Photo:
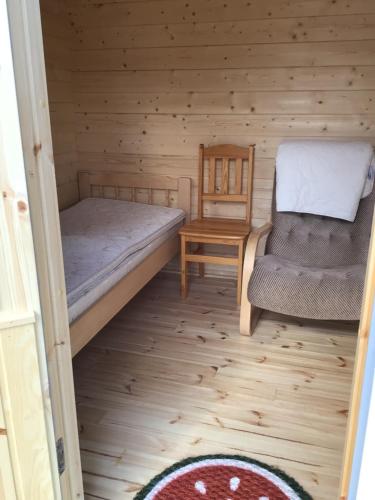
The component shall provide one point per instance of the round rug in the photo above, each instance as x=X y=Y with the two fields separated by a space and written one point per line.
x=222 y=477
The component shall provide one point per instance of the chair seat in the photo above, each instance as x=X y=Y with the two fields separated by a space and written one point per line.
x=282 y=286
x=231 y=229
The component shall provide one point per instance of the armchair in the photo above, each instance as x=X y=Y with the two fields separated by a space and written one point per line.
x=306 y=266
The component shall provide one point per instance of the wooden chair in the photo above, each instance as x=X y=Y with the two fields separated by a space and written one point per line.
x=222 y=231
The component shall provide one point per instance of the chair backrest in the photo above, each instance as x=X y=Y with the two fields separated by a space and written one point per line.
x=314 y=240
x=232 y=160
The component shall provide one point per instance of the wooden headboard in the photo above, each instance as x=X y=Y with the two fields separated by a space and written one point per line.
x=151 y=189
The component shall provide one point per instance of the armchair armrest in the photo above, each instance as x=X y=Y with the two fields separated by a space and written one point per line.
x=252 y=247
x=252 y=250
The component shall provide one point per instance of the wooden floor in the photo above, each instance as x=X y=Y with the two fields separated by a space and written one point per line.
x=168 y=379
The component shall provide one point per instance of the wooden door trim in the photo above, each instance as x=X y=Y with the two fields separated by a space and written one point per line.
x=28 y=462
x=32 y=98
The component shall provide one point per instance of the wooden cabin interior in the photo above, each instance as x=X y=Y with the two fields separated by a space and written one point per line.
x=135 y=86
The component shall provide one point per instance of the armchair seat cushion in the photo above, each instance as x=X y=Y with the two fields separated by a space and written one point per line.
x=333 y=293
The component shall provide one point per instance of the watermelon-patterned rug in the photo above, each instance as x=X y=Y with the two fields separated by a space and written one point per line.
x=222 y=477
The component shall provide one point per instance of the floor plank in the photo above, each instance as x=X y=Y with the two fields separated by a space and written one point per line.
x=167 y=379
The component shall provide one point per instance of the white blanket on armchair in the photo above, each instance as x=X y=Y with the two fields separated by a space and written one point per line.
x=322 y=177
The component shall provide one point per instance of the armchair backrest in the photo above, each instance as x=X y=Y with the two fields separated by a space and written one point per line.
x=315 y=240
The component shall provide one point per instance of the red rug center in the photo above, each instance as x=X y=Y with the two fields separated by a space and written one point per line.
x=221 y=482
x=222 y=477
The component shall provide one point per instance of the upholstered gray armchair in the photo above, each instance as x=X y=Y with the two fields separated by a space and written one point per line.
x=309 y=266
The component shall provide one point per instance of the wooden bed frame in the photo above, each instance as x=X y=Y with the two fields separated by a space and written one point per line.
x=109 y=185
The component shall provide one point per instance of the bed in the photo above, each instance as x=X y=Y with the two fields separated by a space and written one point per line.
x=120 y=234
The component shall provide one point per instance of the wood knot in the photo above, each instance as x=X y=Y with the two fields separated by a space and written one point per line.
x=37 y=148
x=22 y=207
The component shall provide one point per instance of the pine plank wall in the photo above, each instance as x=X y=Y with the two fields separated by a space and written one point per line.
x=58 y=53
x=137 y=85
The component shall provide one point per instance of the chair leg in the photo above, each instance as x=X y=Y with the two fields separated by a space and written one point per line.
x=255 y=314
x=239 y=271
x=184 y=269
x=200 y=251
x=249 y=318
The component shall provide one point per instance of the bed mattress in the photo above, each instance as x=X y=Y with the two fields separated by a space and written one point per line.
x=103 y=240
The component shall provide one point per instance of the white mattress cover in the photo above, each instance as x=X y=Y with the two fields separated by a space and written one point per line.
x=99 y=235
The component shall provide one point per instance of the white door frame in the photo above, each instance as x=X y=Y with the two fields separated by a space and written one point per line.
x=30 y=77
x=362 y=476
